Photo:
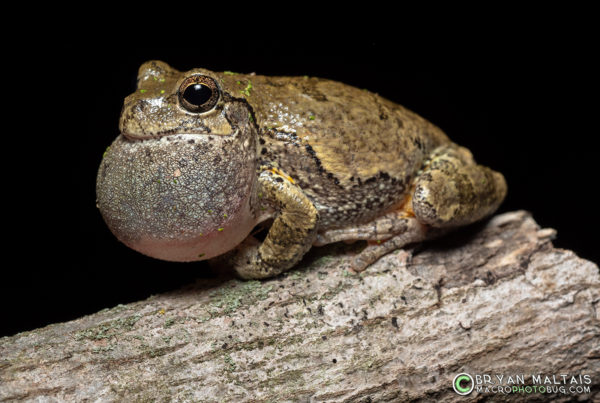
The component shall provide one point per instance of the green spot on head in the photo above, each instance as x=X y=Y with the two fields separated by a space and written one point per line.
x=225 y=215
x=162 y=91
x=142 y=91
x=161 y=80
x=175 y=181
x=105 y=151
x=312 y=117
x=220 y=229
x=209 y=211
x=202 y=254
x=155 y=79
x=246 y=91
x=238 y=82
x=229 y=73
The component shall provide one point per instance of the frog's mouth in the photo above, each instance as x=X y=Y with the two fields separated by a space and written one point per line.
x=173 y=135
x=176 y=197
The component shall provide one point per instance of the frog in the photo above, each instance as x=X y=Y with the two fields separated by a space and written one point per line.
x=205 y=158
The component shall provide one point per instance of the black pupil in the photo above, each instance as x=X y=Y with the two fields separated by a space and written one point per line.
x=197 y=94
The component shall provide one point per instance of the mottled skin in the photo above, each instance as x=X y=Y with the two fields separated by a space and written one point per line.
x=325 y=161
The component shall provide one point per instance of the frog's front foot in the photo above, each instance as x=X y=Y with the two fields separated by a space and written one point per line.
x=289 y=238
x=248 y=262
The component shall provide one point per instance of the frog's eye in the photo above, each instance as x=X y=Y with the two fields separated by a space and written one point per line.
x=198 y=93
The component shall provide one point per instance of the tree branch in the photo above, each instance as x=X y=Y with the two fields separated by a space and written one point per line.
x=495 y=298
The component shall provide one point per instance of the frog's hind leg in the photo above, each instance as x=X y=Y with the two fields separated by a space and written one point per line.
x=413 y=231
x=450 y=191
x=384 y=234
x=379 y=229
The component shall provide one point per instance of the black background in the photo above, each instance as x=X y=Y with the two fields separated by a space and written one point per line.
x=526 y=111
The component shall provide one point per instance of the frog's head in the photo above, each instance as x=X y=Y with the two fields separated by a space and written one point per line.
x=178 y=183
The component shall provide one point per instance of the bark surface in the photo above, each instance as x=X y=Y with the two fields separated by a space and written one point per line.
x=495 y=298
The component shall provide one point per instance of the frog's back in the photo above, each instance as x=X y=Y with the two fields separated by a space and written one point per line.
x=352 y=151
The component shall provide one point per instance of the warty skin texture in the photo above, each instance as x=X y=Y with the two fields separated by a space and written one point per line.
x=326 y=161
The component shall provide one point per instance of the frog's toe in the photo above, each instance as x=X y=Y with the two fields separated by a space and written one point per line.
x=360 y=263
x=369 y=255
x=415 y=232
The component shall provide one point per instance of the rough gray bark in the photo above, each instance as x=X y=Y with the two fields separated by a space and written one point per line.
x=493 y=299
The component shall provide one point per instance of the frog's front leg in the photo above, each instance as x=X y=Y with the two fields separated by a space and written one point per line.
x=291 y=235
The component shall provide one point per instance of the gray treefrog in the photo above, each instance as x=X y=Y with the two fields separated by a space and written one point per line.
x=203 y=157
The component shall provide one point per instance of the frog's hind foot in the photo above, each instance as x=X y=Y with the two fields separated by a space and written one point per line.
x=414 y=232
x=379 y=229
x=384 y=234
